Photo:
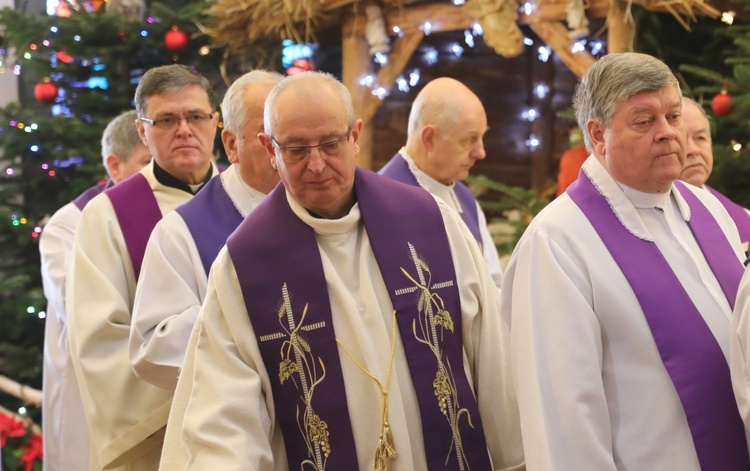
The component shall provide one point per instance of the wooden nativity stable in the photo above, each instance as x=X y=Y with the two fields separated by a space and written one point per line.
x=505 y=66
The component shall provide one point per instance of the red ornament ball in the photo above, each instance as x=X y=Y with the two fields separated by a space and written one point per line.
x=721 y=104
x=176 y=40
x=45 y=91
x=298 y=66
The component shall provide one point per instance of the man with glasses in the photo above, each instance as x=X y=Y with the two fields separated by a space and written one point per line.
x=343 y=328
x=185 y=243
x=444 y=140
x=126 y=415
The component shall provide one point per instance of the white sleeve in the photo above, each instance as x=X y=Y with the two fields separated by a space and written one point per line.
x=55 y=248
x=171 y=287
x=227 y=424
x=489 y=250
x=487 y=344
x=739 y=348
x=557 y=359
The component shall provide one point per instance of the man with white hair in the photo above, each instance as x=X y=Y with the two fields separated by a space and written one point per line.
x=446 y=126
x=63 y=423
x=619 y=295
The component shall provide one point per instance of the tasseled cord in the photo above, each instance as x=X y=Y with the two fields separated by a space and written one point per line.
x=386 y=450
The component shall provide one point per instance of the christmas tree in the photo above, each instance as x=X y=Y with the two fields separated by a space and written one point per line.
x=719 y=78
x=77 y=71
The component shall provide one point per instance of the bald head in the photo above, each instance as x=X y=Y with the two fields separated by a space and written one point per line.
x=446 y=126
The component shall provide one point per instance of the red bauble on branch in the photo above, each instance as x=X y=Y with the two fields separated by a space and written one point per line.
x=45 y=91
x=176 y=40
x=721 y=104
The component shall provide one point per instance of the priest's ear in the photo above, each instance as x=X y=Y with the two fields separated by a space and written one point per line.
x=356 y=130
x=114 y=167
x=596 y=133
x=427 y=137
x=230 y=145
x=266 y=142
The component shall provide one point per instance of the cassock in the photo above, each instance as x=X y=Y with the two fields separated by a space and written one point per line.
x=740 y=348
x=64 y=426
x=126 y=415
x=448 y=194
x=224 y=414
x=172 y=284
x=594 y=393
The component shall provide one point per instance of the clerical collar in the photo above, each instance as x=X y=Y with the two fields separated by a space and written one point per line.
x=167 y=179
x=641 y=199
x=439 y=189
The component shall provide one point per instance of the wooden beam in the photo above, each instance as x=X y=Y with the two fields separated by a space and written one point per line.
x=356 y=63
x=555 y=10
x=555 y=34
x=620 y=34
x=386 y=77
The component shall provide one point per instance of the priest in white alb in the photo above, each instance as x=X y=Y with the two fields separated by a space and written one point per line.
x=349 y=322
x=619 y=295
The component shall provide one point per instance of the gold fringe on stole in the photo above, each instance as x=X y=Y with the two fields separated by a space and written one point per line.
x=386 y=450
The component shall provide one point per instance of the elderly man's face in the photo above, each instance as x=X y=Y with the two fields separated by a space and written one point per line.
x=700 y=157
x=245 y=148
x=185 y=150
x=454 y=151
x=644 y=147
x=321 y=179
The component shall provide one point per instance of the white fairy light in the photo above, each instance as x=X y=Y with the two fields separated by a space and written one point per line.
x=459 y=2
x=528 y=8
x=578 y=46
x=367 y=80
x=544 y=53
x=728 y=17
x=431 y=56
x=528 y=41
x=530 y=114
x=381 y=58
x=541 y=89
x=380 y=92
x=477 y=29
x=596 y=47
x=533 y=142
x=414 y=77
x=468 y=38
x=457 y=50
x=403 y=84
x=427 y=28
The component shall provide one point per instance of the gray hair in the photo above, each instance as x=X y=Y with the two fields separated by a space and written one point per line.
x=234 y=111
x=313 y=78
x=613 y=79
x=435 y=109
x=168 y=79
x=121 y=137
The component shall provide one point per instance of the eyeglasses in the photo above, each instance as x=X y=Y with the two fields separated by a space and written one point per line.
x=294 y=154
x=168 y=123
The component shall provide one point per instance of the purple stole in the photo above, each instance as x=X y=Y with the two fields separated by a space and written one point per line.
x=691 y=355
x=398 y=169
x=286 y=294
x=137 y=213
x=736 y=212
x=83 y=199
x=210 y=216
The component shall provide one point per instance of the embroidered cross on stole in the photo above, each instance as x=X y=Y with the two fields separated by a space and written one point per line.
x=285 y=292
x=210 y=216
x=691 y=355
x=137 y=214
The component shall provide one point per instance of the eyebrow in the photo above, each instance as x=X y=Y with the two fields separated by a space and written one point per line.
x=172 y=113
x=323 y=139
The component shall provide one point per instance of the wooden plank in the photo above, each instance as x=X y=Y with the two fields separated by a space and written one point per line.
x=356 y=63
x=386 y=77
x=620 y=33
x=555 y=34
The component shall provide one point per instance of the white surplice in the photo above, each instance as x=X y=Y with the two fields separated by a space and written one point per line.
x=223 y=413
x=125 y=415
x=593 y=391
x=172 y=287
